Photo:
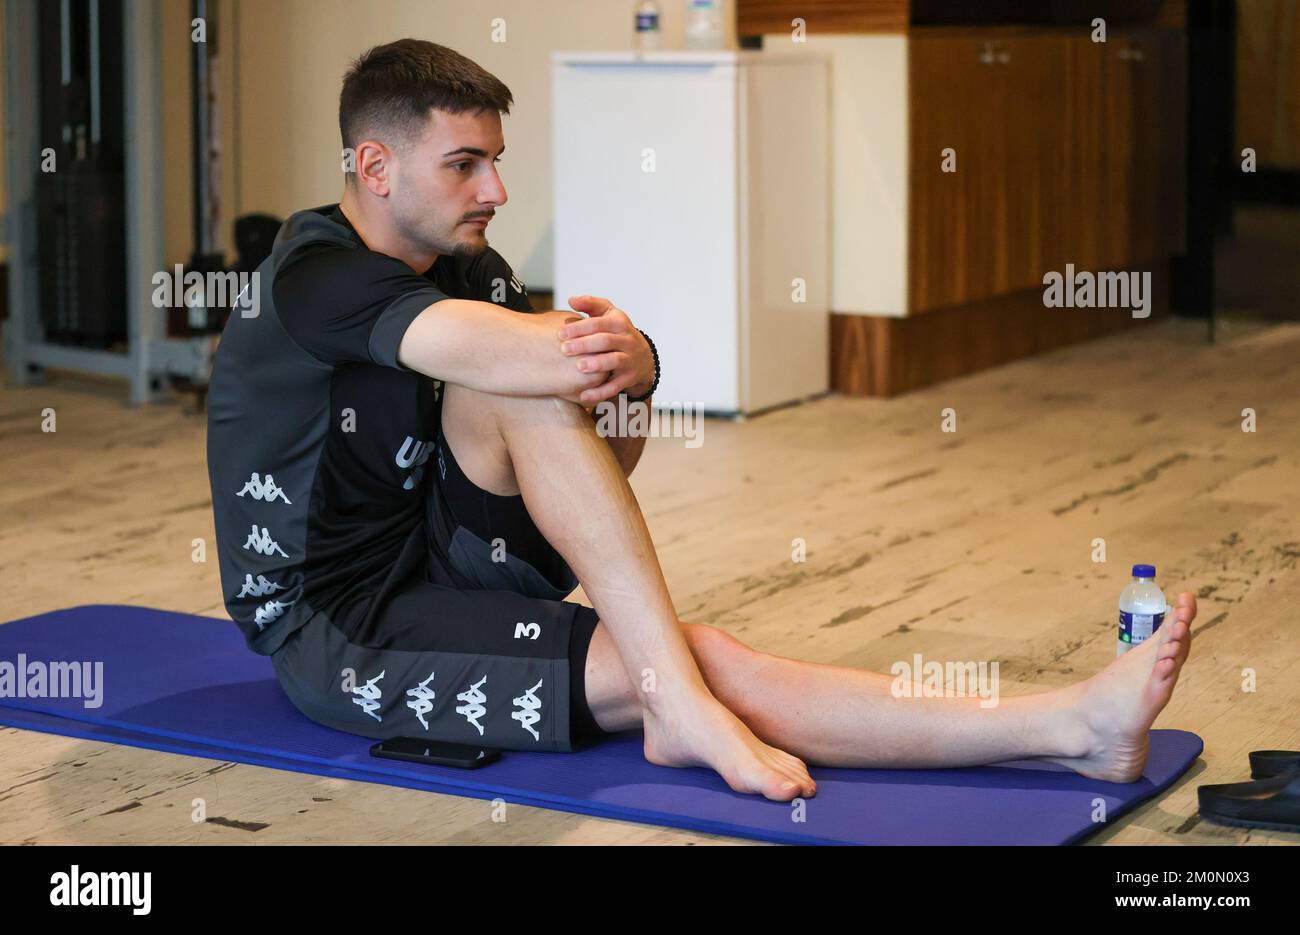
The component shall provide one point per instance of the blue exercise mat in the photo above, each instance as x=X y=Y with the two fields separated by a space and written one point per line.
x=187 y=684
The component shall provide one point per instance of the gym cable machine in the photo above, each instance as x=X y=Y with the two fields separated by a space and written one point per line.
x=85 y=232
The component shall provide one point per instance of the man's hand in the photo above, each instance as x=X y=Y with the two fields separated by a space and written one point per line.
x=607 y=342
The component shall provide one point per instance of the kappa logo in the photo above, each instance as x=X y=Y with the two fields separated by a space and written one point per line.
x=369 y=696
x=269 y=612
x=473 y=708
x=261 y=588
x=267 y=490
x=529 y=704
x=413 y=455
x=262 y=543
x=423 y=702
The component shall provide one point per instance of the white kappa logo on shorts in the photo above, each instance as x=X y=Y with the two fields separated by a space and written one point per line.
x=271 y=610
x=423 y=702
x=527 y=715
x=473 y=708
x=370 y=694
x=267 y=490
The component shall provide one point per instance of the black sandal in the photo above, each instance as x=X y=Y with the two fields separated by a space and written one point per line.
x=1272 y=803
x=1265 y=764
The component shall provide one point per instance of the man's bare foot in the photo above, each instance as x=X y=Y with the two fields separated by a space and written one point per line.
x=701 y=731
x=1110 y=714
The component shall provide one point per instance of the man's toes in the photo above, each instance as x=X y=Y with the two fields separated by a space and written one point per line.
x=1176 y=639
x=807 y=788
x=1177 y=659
x=781 y=790
x=797 y=772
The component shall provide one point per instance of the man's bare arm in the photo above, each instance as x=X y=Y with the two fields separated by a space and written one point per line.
x=485 y=347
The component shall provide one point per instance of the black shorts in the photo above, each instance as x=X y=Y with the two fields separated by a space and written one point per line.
x=484 y=651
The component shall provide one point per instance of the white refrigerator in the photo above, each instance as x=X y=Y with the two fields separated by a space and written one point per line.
x=692 y=189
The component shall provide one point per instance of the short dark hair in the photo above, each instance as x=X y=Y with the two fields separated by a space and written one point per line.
x=390 y=89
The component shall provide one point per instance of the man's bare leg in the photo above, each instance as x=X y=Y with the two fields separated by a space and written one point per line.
x=828 y=715
x=576 y=493
x=835 y=716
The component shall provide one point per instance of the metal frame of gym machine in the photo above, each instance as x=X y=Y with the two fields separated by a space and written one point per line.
x=150 y=356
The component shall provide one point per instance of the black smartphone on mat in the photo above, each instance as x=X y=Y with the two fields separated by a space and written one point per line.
x=434 y=752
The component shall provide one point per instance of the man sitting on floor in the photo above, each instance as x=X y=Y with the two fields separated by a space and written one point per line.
x=407 y=482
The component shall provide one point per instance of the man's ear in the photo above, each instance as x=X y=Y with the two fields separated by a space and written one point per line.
x=374 y=161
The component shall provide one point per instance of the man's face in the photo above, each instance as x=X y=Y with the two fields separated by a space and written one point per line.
x=445 y=185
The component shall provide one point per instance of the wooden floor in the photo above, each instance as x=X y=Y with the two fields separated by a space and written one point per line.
x=967 y=546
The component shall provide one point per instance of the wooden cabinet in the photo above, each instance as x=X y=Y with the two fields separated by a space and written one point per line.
x=755 y=17
x=1149 y=77
x=1067 y=151
x=990 y=226
x=1089 y=157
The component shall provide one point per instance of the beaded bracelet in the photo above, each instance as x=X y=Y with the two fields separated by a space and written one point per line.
x=653 y=386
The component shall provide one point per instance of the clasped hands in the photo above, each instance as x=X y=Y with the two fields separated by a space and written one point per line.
x=608 y=348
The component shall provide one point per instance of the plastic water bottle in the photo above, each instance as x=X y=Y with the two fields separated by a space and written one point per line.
x=704 y=25
x=647 y=25
x=1142 y=609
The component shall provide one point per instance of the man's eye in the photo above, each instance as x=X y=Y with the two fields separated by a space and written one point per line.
x=459 y=166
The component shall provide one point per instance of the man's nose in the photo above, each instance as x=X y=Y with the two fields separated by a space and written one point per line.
x=494 y=191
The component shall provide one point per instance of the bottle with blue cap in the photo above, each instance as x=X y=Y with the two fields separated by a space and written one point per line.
x=1142 y=609
x=647 y=26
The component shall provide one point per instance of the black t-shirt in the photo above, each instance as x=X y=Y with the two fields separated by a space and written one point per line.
x=318 y=436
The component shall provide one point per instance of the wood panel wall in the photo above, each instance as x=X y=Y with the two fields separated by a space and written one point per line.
x=755 y=17
x=1268 y=82
x=877 y=355
x=1067 y=151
